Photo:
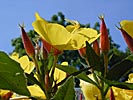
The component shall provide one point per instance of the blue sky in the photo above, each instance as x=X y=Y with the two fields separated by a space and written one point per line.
x=13 y=12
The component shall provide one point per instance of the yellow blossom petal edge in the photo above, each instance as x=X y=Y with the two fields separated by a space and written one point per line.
x=51 y=32
x=36 y=91
x=127 y=25
x=70 y=38
x=81 y=36
x=26 y=65
x=90 y=91
x=59 y=75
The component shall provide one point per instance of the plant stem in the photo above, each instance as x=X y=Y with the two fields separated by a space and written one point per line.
x=102 y=91
x=105 y=64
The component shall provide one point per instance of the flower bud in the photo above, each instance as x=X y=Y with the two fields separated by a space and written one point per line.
x=104 y=39
x=27 y=43
x=81 y=97
x=44 y=52
x=128 y=39
x=7 y=96
x=96 y=47
x=50 y=48
x=82 y=52
x=47 y=81
x=112 y=97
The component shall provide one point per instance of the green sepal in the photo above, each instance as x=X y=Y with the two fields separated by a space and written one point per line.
x=93 y=58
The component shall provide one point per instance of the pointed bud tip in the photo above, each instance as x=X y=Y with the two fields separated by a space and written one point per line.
x=21 y=26
x=119 y=28
x=101 y=17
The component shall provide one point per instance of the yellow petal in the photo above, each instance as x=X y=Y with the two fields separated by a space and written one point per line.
x=90 y=91
x=70 y=28
x=70 y=38
x=82 y=35
x=59 y=75
x=39 y=18
x=127 y=25
x=27 y=65
x=36 y=91
x=75 y=25
x=57 y=34
x=54 y=34
x=15 y=56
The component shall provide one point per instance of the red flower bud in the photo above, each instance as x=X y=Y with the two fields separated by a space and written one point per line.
x=81 y=97
x=104 y=39
x=47 y=81
x=82 y=52
x=7 y=96
x=50 y=48
x=128 y=39
x=27 y=43
x=44 y=52
x=112 y=97
x=96 y=47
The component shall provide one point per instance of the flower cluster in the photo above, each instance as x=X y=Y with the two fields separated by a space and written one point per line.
x=41 y=76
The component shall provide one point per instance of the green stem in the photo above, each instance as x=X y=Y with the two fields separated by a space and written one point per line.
x=102 y=91
x=104 y=88
x=51 y=76
x=39 y=75
x=105 y=64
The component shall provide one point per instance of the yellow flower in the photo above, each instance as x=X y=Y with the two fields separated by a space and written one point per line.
x=70 y=38
x=117 y=93
x=128 y=94
x=26 y=65
x=36 y=91
x=130 y=79
x=127 y=25
x=59 y=75
x=90 y=91
x=124 y=94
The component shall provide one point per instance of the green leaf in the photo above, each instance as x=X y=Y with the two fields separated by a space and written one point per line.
x=78 y=73
x=122 y=85
x=31 y=79
x=118 y=70
x=66 y=91
x=93 y=58
x=12 y=75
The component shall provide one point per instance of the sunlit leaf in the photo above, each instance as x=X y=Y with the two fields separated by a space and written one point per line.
x=122 y=85
x=12 y=75
x=66 y=91
x=77 y=73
